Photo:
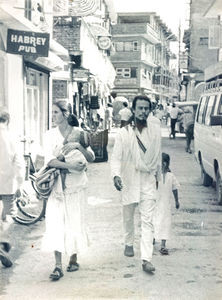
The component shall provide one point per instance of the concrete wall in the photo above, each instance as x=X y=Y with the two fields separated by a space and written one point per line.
x=200 y=55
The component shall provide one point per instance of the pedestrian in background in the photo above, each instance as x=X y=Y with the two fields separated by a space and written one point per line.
x=12 y=173
x=125 y=114
x=174 y=112
x=134 y=166
x=167 y=110
x=65 y=228
x=167 y=186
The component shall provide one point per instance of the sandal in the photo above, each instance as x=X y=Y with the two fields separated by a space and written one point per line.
x=6 y=246
x=4 y=258
x=72 y=267
x=164 y=251
x=56 y=274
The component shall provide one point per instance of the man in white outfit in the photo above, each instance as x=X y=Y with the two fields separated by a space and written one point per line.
x=125 y=114
x=11 y=179
x=135 y=167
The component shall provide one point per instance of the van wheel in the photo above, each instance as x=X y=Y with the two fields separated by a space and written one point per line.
x=219 y=187
x=205 y=178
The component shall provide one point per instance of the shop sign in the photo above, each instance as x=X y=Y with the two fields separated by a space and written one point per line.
x=80 y=74
x=27 y=42
x=104 y=42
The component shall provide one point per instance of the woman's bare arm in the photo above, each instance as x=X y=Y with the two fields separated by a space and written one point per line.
x=77 y=165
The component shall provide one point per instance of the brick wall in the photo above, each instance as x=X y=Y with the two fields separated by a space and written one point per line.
x=67 y=33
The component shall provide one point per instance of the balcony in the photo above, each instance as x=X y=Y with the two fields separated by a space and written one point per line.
x=125 y=82
x=136 y=29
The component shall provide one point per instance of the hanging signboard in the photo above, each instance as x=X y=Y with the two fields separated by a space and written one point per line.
x=104 y=42
x=27 y=43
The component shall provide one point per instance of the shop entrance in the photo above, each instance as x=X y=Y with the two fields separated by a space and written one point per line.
x=36 y=106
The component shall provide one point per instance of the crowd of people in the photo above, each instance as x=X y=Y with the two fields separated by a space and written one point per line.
x=140 y=172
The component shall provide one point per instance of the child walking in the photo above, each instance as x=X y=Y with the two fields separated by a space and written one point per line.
x=168 y=185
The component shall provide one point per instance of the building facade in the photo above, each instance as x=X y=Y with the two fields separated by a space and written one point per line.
x=28 y=55
x=214 y=11
x=202 y=46
x=142 y=56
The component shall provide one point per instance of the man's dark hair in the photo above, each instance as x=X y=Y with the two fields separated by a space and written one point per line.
x=125 y=104
x=141 y=97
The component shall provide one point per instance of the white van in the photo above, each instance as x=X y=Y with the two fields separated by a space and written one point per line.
x=208 y=136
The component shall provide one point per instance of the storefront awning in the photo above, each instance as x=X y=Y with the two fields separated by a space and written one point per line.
x=51 y=63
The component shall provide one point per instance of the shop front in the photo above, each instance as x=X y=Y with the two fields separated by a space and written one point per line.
x=26 y=62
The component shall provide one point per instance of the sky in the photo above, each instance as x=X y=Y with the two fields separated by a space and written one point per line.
x=171 y=12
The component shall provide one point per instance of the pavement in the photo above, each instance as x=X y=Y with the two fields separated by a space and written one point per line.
x=192 y=270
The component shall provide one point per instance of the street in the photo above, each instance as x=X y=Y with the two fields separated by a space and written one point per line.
x=192 y=270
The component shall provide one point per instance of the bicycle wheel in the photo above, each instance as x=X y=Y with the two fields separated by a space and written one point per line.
x=30 y=206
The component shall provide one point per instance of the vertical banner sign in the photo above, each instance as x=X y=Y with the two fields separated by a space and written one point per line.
x=27 y=42
x=60 y=8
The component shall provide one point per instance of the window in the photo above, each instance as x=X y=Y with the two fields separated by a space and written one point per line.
x=126 y=46
x=28 y=9
x=220 y=106
x=126 y=72
x=203 y=41
x=201 y=111
x=210 y=108
x=123 y=72
x=119 y=46
x=135 y=46
x=133 y=73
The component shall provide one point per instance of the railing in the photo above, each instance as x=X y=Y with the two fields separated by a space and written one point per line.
x=215 y=85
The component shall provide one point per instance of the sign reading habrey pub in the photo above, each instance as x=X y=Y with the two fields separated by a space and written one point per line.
x=27 y=42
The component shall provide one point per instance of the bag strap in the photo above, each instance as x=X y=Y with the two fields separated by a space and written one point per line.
x=142 y=147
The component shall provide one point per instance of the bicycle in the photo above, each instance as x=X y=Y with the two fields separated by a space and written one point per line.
x=30 y=205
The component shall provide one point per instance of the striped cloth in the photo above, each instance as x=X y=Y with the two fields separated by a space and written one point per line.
x=44 y=180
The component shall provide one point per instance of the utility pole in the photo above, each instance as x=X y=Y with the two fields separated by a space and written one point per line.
x=179 y=50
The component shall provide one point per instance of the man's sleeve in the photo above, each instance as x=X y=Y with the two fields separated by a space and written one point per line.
x=158 y=172
x=116 y=158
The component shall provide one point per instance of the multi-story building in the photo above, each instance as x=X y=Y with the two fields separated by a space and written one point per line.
x=142 y=55
x=200 y=42
x=88 y=41
x=214 y=71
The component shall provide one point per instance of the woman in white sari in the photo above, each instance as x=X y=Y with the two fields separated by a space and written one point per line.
x=65 y=230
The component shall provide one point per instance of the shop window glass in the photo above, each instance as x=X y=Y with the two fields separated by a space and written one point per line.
x=31 y=78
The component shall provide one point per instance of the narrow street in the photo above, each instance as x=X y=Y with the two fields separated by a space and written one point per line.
x=192 y=270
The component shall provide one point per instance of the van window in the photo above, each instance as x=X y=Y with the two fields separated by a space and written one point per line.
x=210 y=108
x=220 y=106
x=201 y=111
